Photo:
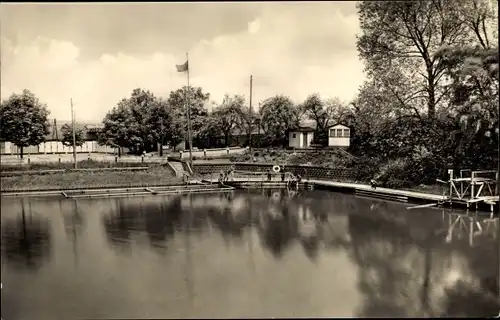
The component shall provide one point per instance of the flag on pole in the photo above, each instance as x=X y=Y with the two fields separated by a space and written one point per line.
x=182 y=67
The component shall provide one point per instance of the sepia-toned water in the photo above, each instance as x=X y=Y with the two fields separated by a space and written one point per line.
x=260 y=253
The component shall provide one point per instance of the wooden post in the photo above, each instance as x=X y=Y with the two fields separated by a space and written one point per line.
x=461 y=184
x=450 y=172
x=472 y=196
x=497 y=178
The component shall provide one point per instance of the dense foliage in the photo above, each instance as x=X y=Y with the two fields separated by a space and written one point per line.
x=429 y=103
x=67 y=135
x=23 y=120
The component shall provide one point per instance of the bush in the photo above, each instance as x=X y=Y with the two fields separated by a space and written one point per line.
x=408 y=172
x=366 y=168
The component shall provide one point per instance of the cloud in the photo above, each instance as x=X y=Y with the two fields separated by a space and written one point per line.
x=292 y=50
x=254 y=26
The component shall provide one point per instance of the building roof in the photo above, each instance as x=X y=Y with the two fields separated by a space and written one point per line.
x=243 y=132
x=59 y=124
x=337 y=124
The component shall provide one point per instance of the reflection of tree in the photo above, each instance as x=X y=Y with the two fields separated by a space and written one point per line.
x=277 y=232
x=73 y=220
x=119 y=225
x=158 y=220
x=231 y=219
x=161 y=220
x=74 y=225
x=403 y=270
x=311 y=247
x=382 y=279
x=225 y=221
x=26 y=242
x=465 y=301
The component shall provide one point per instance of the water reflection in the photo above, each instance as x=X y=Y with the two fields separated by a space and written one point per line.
x=159 y=220
x=257 y=253
x=470 y=224
x=406 y=273
x=26 y=241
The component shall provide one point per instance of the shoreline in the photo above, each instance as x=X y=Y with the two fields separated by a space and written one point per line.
x=92 y=188
x=88 y=179
x=413 y=197
x=96 y=177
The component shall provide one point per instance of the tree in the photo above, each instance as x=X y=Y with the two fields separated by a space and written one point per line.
x=475 y=103
x=197 y=100
x=67 y=138
x=323 y=114
x=23 y=120
x=473 y=74
x=400 y=39
x=248 y=122
x=228 y=115
x=162 y=124
x=209 y=132
x=278 y=115
x=126 y=124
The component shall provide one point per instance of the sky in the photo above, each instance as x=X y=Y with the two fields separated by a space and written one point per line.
x=96 y=54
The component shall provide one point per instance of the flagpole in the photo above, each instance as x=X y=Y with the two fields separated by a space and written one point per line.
x=190 y=138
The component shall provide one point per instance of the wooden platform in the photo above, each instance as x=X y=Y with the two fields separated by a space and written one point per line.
x=365 y=187
x=88 y=194
x=403 y=195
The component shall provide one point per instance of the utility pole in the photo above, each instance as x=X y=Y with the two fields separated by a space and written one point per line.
x=161 y=138
x=250 y=119
x=74 y=135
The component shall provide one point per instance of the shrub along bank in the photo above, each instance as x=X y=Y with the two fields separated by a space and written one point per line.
x=416 y=173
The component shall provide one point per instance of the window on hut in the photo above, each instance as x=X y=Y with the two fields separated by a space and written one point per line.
x=339 y=133
x=346 y=133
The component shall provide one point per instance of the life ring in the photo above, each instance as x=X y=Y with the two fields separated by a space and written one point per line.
x=276 y=168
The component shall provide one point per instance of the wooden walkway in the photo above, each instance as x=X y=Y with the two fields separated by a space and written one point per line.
x=362 y=189
x=365 y=187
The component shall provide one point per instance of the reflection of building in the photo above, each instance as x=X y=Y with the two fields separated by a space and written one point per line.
x=307 y=222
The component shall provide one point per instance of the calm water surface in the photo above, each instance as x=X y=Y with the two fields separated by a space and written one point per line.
x=243 y=254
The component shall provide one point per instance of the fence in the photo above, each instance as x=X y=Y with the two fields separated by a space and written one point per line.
x=49 y=147
x=54 y=159
x=312 y=172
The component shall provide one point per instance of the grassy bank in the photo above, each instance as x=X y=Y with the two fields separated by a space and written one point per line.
x=156 y=175
x=333 y=158
x=398 y=174
x=84 y=164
